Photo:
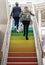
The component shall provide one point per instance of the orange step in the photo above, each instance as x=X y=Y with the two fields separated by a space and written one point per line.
x=22 y=59
x=22 y=64
x=22 y=54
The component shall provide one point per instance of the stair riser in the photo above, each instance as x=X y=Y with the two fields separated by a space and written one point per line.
x=22 y=59
x=22 y=55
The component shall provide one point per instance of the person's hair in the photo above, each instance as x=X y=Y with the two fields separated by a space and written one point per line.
x=17 y=4
x=26 y=8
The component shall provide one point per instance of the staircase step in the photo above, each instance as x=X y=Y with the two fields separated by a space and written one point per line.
x=22 y=59
x=22 y=63
x=19 y=54
x=13 y=31
x=21 y=37
x=21 y=50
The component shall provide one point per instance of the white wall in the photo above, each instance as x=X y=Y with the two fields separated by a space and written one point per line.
x=3 y=27
x=2 y=33
x=24 y=1
x=3 y=12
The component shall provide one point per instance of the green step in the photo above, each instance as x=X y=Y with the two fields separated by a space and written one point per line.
x=20 y=34
x=13 y=31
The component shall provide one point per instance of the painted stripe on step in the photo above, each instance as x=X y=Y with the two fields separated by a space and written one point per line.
x=22 y=62
x=22 y=52
x=22 y=57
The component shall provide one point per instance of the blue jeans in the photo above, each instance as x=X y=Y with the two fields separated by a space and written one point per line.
x=16 y=21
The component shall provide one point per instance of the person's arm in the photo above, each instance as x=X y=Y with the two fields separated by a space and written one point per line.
x=21 y=14
x=32 y=14
x=20 y=9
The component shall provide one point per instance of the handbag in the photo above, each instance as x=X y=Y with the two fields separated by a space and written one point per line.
x=25 y=17
x=30 y=22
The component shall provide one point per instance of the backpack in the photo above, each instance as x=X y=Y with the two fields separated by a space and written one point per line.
x=25 y=17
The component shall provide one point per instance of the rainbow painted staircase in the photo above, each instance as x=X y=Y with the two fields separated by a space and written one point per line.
x=21 y=51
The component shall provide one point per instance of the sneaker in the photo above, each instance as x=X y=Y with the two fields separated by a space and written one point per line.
x=26 y=38
x=17 y=30
x=15 y=27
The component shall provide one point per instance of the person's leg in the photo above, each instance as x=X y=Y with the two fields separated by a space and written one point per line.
x=17 y=23
x=23 y=27
x=26 y=31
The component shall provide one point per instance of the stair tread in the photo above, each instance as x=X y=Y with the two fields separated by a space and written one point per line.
x=21 y=38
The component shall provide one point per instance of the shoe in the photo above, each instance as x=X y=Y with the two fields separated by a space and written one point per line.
x=17 y=30
x=26 y=38
x=15 y=27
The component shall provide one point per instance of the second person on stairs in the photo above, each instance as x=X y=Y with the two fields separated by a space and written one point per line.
x=25 y=18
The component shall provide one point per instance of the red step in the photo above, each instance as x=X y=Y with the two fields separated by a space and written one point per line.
x=22 y=59
x=22 y=54
x=22 y=64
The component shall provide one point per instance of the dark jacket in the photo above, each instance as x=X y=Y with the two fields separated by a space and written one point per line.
x=16 y=12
